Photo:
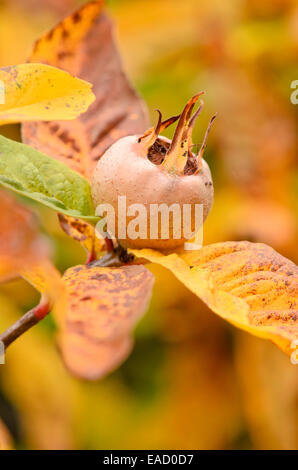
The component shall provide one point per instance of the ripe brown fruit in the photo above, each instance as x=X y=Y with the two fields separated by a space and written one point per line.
x=150 y=170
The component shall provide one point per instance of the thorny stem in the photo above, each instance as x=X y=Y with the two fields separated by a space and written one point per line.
x=115 y=257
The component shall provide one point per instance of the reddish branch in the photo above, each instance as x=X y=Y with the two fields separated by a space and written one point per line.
x=28 y=320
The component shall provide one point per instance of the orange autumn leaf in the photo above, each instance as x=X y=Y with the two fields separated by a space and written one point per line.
x=83 y=45
x=248 y=284
x=103 y=305
x=82 y=232
x=20 y=243
x=5 y=437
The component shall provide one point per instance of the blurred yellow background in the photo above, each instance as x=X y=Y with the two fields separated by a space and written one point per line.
x=192 y=381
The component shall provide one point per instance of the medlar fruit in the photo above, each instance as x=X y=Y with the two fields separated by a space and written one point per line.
x=153 y=172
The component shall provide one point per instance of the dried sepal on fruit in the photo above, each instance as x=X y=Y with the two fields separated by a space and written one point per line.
x=152 y=170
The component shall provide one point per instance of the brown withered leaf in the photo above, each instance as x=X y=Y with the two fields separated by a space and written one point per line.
x=248 y=284
x=20 y=243
x=82 y=232
x=103 y=305
x=83 y=44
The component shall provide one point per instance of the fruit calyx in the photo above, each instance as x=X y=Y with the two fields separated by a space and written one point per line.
x=176 y=156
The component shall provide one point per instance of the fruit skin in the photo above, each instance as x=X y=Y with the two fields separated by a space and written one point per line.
x=125 y=170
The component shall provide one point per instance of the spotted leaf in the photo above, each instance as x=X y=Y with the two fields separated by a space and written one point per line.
x=248 y=284
x=102 y=307
x=34 y=92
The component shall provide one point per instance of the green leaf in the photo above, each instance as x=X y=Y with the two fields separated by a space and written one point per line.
x=44 y=179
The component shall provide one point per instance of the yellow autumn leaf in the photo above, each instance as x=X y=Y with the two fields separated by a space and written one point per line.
x=248 y=284
x=39 y=92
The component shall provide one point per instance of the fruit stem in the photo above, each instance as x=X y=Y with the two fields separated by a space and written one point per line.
x=118 y=257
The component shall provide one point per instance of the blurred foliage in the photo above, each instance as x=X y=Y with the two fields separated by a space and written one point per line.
x=192 y=381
